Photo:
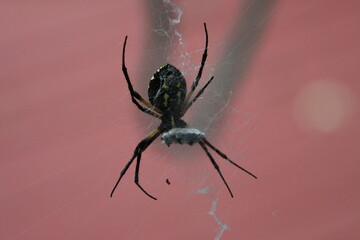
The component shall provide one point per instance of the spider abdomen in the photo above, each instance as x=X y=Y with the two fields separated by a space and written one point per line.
x=182 y=136
x=167 y=89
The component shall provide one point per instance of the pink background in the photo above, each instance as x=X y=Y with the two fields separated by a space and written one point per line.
x=68 y=127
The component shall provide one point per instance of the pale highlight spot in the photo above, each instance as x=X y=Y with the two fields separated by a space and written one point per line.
x=324 y=106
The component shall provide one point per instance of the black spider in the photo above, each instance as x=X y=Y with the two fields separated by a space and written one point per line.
x=169 y=102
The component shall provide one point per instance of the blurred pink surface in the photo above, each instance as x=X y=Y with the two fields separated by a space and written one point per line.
x=68 y=127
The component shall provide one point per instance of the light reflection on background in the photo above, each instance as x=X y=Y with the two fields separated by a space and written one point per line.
x=325 y=106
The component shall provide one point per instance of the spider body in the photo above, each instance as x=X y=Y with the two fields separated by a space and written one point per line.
x=182 y=136
x=169 y=101
x=167 y=91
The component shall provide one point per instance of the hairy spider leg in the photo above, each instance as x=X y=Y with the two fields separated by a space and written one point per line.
x=203 y=60
x=188 y=105
x=140 y=148
x=137 y=176
x=153 y=111
x=225 y=157
x=216 y=166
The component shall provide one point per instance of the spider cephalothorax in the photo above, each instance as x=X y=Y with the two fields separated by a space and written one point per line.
x=169 y=101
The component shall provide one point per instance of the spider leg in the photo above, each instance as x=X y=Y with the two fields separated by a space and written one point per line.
x=203 y=60
x=188 y=105
x=141 y=147
x=137 y=175
x=226 y=158
x=124 y=171
x=215 y=165
x=153 y=111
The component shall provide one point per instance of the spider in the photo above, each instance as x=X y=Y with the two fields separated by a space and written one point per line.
x=169 y=102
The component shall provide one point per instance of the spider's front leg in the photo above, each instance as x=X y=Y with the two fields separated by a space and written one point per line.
x=190 y=102
x=203 y=60
x=150 y=109
x=140 y=148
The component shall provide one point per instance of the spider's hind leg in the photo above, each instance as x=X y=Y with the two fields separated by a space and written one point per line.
x=202 y=144
x=140 y=148
x=137 y=176
x=122 y=173
x=226 y=158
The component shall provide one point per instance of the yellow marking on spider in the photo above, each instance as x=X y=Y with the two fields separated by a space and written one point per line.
x=172 y=121
x=166 y=96
x=152 y=133
x=178 y=84
x=166 y=86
